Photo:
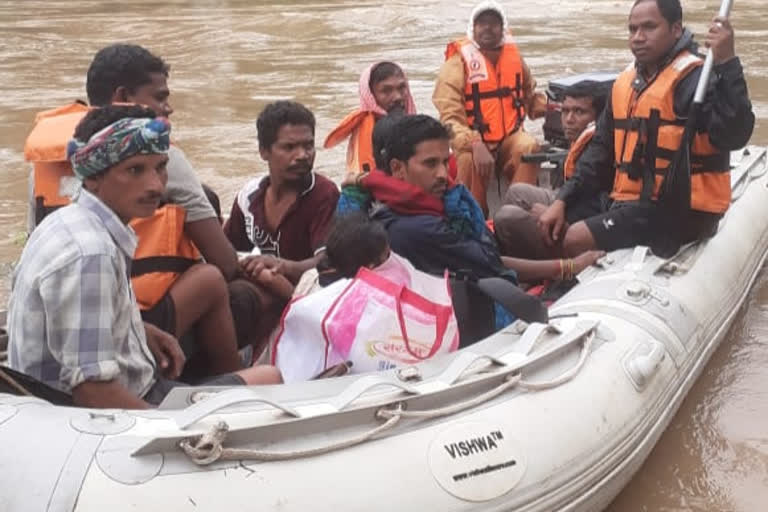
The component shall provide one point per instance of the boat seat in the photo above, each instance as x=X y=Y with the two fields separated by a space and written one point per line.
x=19 y=384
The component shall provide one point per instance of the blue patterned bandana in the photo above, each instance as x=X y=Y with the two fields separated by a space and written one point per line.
x=120 y=140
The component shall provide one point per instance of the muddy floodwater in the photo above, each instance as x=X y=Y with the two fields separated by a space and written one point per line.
x=229 y=58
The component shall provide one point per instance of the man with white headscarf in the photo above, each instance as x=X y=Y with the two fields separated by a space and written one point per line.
x=383 y=89
x=483 y=92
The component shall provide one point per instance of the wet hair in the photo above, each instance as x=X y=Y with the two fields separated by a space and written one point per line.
x=355 y=241
x=407 y=133
x=99 y=118
x=280 y=113
x=121 y=65
x=671 y=10
x=596 y=91
x=382 y=71
x=381 y=134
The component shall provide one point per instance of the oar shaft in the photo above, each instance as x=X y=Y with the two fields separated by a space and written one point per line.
x=701 y=88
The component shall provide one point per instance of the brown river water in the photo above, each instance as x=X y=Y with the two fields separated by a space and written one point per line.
x=229 y=58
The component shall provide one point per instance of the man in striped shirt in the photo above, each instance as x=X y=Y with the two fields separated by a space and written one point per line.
x=73 y=320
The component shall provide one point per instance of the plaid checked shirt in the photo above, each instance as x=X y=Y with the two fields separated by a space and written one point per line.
x=72 y=315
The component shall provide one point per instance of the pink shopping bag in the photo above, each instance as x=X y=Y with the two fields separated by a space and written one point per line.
x=383 y=318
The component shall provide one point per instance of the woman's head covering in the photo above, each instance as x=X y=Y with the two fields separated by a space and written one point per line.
x=368 y=100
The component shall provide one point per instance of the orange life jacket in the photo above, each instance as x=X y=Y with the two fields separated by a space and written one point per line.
x=633 y=114
x=163 y=252
x=576 y=150
x=358 y=126
x=493 y=95
x=46 y=149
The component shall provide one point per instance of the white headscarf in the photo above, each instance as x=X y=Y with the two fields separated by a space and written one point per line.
x=486 y=5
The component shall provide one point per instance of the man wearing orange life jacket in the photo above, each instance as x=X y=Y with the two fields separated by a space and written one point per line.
x=483 y=93
x=515 y=223
x=383 y=88
x=651 y=100
x=174 y=302
x=167 y=274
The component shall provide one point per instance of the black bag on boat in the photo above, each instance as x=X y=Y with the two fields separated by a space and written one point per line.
x=473 y=301
x=11 y=381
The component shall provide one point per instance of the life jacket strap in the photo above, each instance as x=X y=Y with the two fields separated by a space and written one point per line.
x=478 y=123
x=699 y=163
x=148 y=265
x=651 y=146
x=635 y=124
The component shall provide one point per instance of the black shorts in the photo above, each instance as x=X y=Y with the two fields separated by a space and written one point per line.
x=629 y=224
x=163 y=316
x=162 y=387
x=587 y=207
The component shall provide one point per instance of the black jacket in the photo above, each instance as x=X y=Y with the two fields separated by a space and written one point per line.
x=726 y=116
x=432 y=247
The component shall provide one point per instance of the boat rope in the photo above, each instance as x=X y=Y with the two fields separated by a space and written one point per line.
x=209 y=447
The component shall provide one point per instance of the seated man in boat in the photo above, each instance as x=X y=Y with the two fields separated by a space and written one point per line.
x=515 y=223
x=430 y=221
x=286 y=214
x=125 y=73
x=483 y=93
x=640 y=133
x=73 y=320
x=383 y=88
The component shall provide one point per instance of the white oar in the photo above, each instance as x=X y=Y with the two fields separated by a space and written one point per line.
x=675 y=196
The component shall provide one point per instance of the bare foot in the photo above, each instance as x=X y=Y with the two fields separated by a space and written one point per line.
x=261 y=375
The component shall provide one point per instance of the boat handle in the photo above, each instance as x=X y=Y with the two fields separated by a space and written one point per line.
x=564 y=342
x=366 y=384
x=467 y=359
x=461 y=364
x=642 y=367
x=739 y=182
x=222 y=400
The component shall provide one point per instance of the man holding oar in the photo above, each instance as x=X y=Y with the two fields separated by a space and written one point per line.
x=636 y=146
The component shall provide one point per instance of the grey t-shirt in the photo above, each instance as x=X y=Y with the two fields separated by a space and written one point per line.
x=184 y=188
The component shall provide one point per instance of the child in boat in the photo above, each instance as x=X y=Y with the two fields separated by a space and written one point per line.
x=353 y=242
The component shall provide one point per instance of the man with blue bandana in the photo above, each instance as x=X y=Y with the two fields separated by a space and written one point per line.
x=73 y=321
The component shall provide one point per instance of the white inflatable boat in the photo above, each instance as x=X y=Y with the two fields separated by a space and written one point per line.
x=537 y=417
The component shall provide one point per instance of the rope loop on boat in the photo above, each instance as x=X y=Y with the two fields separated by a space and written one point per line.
x=209 y=447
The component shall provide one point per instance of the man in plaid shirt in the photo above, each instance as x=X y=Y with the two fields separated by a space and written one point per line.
x=73 y=320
